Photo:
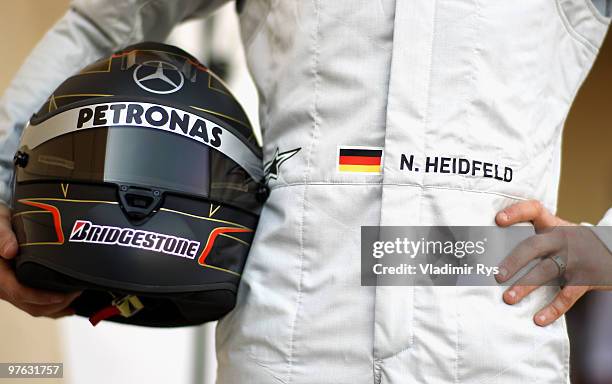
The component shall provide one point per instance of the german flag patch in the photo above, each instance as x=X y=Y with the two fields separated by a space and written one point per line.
x=360 y=160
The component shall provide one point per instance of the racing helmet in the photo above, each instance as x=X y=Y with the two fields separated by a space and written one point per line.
x=140 y=183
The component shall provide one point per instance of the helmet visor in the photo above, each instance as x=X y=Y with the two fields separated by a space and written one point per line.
x=138 y=155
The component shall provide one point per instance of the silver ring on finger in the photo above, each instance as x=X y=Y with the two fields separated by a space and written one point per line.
x=561 y=264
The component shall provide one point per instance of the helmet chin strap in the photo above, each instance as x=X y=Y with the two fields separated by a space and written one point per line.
x=126 y=306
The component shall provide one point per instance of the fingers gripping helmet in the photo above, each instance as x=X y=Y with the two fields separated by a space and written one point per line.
x=139 y=182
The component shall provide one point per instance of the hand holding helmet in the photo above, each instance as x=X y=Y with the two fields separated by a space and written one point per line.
x=36 y=302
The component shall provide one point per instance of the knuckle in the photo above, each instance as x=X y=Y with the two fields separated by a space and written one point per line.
x=5 y=224
x=556 y=310
x=16 y=295
x=11 y=295
x=8 y=296
x=565 y=299
x=519 y=289
x=537 y=205
x=6 y=239
x=564 y=234
x=35 y=312
x=510 y=264
x=534 y=243
x=512 y=210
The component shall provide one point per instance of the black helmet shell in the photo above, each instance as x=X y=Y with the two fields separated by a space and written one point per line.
x=140 y=177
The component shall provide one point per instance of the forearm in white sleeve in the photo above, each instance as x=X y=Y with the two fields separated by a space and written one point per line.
x=89 y=30
x=71 y=43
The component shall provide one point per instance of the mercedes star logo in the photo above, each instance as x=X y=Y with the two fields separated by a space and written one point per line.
x=158 y=77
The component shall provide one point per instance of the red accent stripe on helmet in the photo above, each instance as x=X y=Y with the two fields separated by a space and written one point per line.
x=213 y=236
x=57 y=219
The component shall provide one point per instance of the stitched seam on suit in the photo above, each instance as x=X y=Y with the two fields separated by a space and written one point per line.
x=571 y=31
x=377 y=362
x=421 y=189
x=551 y=151
x=426 y=121
x=315 y=62
x=603 y=20
x=93 y=23
x=535 y=349
x=469 y=105
x=412 y=324
x=258 y=28
x=510 y=196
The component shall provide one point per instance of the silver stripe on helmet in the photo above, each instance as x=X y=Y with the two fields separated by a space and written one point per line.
x=148 y=115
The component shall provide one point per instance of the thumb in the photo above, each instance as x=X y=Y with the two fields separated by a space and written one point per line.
x=8 y=242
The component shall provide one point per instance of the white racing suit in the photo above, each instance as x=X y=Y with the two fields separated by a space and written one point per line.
x=486 y=81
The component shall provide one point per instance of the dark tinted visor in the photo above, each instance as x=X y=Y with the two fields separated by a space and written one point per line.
x=139 y=156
